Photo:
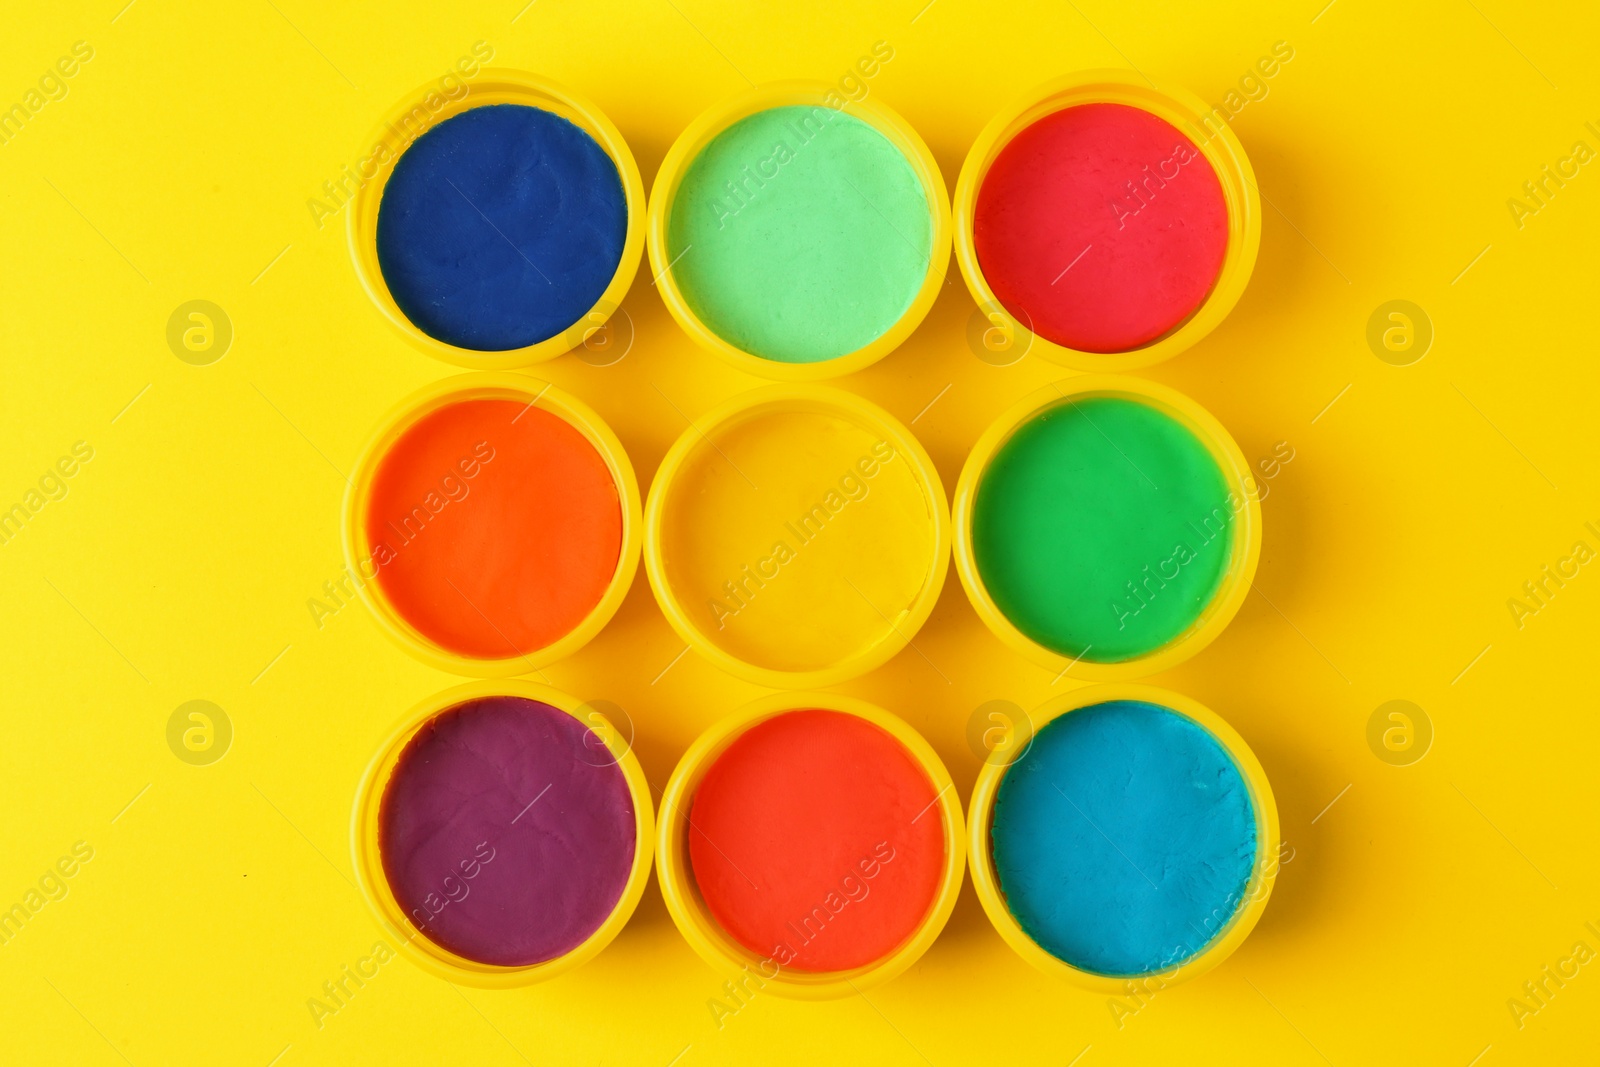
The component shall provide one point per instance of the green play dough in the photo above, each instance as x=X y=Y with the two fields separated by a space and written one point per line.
x=799 y=234
x=1102 y=528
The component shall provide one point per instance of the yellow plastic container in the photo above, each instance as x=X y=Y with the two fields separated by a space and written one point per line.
x=1229 y=936
x=866 y=540
x=1188 y=113
x=688 y=909
x=424 y=109
x=488 y=385
x=374 y=884
x=1244 y=496
x=712 y=122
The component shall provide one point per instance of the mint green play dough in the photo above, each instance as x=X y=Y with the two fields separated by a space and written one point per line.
x=799 y=234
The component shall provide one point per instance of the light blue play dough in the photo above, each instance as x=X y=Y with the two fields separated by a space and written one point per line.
x=1124 y=838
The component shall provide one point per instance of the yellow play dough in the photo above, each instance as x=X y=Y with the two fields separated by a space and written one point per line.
x=797 y=539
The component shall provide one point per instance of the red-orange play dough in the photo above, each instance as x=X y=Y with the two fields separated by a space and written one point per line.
x=502 y=526
x=815 y=841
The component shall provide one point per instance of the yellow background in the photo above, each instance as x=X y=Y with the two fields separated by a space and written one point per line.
x=180 y=562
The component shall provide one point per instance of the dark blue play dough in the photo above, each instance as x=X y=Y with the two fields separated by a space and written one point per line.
x=501 y=227
x=1124 y=838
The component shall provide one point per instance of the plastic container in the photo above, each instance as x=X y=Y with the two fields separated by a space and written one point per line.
x=1230 y=935
x=1245 y=549
x=688 y=909
x=712 y=122
x=744 y=518
x=374 y=884
x=1182 y=109
x=423 y=110
x=488 y=385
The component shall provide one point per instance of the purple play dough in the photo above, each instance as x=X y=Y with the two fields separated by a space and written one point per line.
x=484 y=868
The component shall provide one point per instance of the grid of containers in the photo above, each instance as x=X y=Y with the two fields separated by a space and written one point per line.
x=797 y=536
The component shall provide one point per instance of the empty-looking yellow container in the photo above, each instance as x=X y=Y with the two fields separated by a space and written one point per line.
x=796 y=536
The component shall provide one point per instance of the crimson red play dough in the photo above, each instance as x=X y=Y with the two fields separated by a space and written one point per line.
x=815 y=841
x=1101 y=227
x=495 y=526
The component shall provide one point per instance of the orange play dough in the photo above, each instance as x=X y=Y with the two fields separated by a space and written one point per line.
x=496 y=527
x=815 y=841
